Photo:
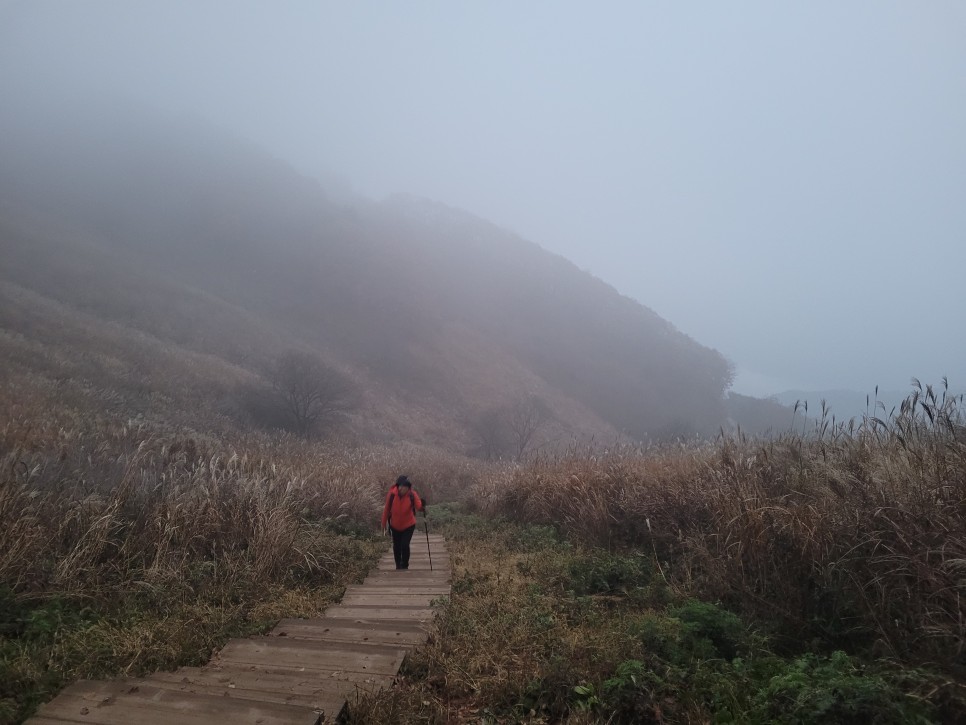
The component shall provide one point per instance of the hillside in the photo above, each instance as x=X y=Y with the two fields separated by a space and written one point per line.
x=166 y=265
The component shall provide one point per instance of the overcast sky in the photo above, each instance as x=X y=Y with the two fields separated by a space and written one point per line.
x=785 y=182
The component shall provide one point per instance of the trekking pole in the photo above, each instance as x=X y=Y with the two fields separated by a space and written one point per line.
x=426 y=529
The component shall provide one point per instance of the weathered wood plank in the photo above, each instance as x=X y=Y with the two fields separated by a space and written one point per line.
x=293 y=687
x=419 y=552
x=423 y=614
x=389 y=600
x=401 y=583
x=393 y=632
x=330 y=674
x=379 y=581
x=382 y=624
x=379 y=659
x=118 y=702
x=402 y=576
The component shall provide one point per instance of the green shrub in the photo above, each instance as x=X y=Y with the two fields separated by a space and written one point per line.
x=694 y=631
x=708 y=624
x=831 y=690
x=600 y=572
x=532 y=538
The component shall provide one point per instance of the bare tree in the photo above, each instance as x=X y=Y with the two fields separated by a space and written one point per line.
x=490 y=430
x=313 y=394
x=524 y=419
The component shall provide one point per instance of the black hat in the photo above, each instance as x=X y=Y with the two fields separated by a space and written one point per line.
x=403 y=481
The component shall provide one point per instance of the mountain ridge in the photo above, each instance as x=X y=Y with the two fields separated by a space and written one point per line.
x=438 y=314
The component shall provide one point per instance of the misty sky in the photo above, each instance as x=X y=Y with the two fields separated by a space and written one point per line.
x=783 y=181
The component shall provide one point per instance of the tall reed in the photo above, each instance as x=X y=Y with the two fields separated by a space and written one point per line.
x=853 y=534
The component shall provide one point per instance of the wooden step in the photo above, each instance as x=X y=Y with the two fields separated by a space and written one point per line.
x=391 y=632
x=419 y=614
x=287 y=652
x=409 y=577
x=123 y=702
x=292 y=687
x=389 y=600
x=437 y=590
x=329 y=674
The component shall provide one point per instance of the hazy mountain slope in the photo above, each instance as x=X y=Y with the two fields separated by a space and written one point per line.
x=206 y=243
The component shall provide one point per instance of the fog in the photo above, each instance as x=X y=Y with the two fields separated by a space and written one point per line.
x=783 y=182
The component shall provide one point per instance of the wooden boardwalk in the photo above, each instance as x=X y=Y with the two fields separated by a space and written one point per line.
x=300 y=673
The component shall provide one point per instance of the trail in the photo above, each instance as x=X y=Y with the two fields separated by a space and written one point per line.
x=302 y=672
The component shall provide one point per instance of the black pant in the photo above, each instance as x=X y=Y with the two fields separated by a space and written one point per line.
x=400 y=545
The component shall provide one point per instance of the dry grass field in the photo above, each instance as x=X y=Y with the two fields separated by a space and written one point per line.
x=854 y=534
x=817 y=577
x=129 y=545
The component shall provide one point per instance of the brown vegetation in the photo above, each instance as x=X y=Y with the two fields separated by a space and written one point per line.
x=131 y=545
x=855 y=536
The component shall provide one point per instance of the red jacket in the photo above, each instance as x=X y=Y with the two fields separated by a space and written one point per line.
x=402 y=513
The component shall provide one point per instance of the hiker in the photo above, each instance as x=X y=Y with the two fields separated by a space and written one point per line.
x=402 y=503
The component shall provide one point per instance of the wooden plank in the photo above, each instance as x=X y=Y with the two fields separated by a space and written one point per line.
x=404 y=611
x=390 y=600
x=324 y=623
x=436 y=590
x=418 y=548
x=329 y=674
x=420 y=566
x=402 y=576
x=394 y=574
x=366 y=612
x=343 y=630
x=403 y=592
x=380 y=580
x=290 y=687
x=341 y=636
x=287 y=652
x=117 y=702
x=397 y=585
